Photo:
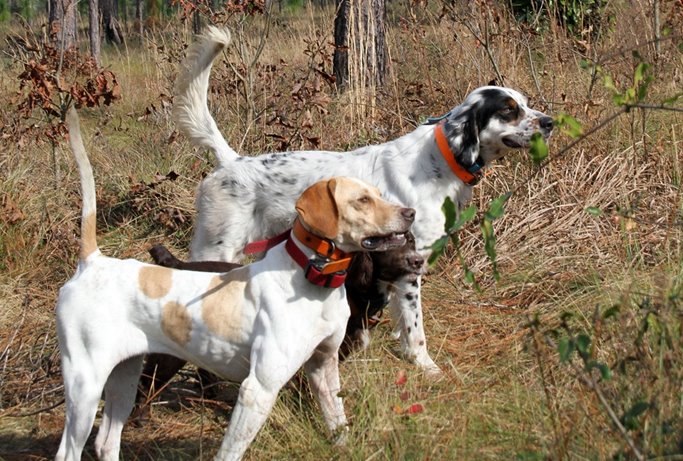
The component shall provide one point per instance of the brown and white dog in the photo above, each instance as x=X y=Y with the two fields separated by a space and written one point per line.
x=257 y=324
x=366 y=276
x=250 y=198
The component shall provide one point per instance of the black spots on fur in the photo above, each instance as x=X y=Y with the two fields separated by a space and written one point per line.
x=286 y=180
x=436 y=169
x=409 y=330
x=422 y=343
x=239 y=159
x=415 y=324
x=218 y=242
x=415 y=284
x=410 y=296
x=266 y=161
x=229 y=183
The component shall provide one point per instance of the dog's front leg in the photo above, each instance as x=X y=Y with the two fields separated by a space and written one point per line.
x=405 y=304
x=270 y=369
x=322 y=370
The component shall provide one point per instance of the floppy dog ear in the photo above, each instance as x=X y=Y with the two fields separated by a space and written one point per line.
x=463 y=133
x=317 y=209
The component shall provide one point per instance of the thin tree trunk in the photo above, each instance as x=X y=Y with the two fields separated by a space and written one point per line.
x=94 y=30
x=62 y=19
x=196 y=22
x=362 y=21
x=110 y=23
x=377 y=26
x=139 y=15
x=340 y=60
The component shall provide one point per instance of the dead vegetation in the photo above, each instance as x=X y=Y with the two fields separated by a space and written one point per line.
x=506 y=394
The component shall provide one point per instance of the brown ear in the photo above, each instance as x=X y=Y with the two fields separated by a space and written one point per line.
x=317 y=209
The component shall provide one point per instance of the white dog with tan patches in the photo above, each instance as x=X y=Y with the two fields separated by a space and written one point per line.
x=257 y=324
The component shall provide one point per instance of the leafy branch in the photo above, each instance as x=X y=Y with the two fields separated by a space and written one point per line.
x=581 y=345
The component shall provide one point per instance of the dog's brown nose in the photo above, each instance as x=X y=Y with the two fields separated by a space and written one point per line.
x=415 y=261
x=408 y=214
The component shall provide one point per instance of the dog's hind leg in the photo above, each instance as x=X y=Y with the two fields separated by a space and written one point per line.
x=82 y=390
x=405 y=305
x=119 y=398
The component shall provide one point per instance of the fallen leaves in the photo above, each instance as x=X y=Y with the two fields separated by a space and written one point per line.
x=405 y=395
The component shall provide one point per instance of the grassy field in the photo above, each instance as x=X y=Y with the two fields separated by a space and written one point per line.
x=605 y=284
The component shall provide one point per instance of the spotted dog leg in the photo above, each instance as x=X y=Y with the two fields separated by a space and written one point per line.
x=405 y=304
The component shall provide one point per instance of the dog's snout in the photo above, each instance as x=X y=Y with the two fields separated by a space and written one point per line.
x=546 y=123
x=415 y=261
x=408 y=214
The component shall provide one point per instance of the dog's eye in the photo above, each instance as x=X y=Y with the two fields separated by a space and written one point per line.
x=364 y=199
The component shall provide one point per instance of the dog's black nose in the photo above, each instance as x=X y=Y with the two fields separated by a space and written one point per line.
x=415 y=261
x=408 y=214
x=546 y=123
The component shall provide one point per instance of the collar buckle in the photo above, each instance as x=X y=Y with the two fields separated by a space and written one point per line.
x=315 y=272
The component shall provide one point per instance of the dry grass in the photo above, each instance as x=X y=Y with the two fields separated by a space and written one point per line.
x=504 y=395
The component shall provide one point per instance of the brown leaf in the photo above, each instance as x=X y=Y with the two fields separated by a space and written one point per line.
x=11 y=213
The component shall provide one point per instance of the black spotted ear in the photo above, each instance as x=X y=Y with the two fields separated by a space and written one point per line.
x=463 y=135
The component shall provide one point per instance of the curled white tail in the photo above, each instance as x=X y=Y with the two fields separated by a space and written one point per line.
x=89 y=210
x=190 y=110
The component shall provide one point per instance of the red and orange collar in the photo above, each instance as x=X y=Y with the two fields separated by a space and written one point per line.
x=326 y=269
x=469 y=178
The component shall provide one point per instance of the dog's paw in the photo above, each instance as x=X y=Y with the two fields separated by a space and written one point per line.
x=431 y=369
x=433 y=372
x=341 y=436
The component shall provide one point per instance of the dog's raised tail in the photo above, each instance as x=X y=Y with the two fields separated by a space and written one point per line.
x=89 y=210
x=190 y=109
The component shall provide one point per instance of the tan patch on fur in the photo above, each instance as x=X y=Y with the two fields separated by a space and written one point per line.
x=176 y=322
x=155 y=281
x=88 y=236
x=223 y=303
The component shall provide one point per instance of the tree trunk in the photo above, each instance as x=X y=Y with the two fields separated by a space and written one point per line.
x=340 y=60
x=196 y=22
x=94 y=30
x=62 y=20
x=139 y=16
x=110 y=22
x=377 y=56
x=360 y=42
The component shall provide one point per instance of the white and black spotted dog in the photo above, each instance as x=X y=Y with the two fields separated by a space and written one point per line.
x=250 y=198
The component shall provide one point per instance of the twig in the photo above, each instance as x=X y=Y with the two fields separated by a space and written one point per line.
x=589 y=381
x=35 y=412
x=639 y=105
x=568 y=147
